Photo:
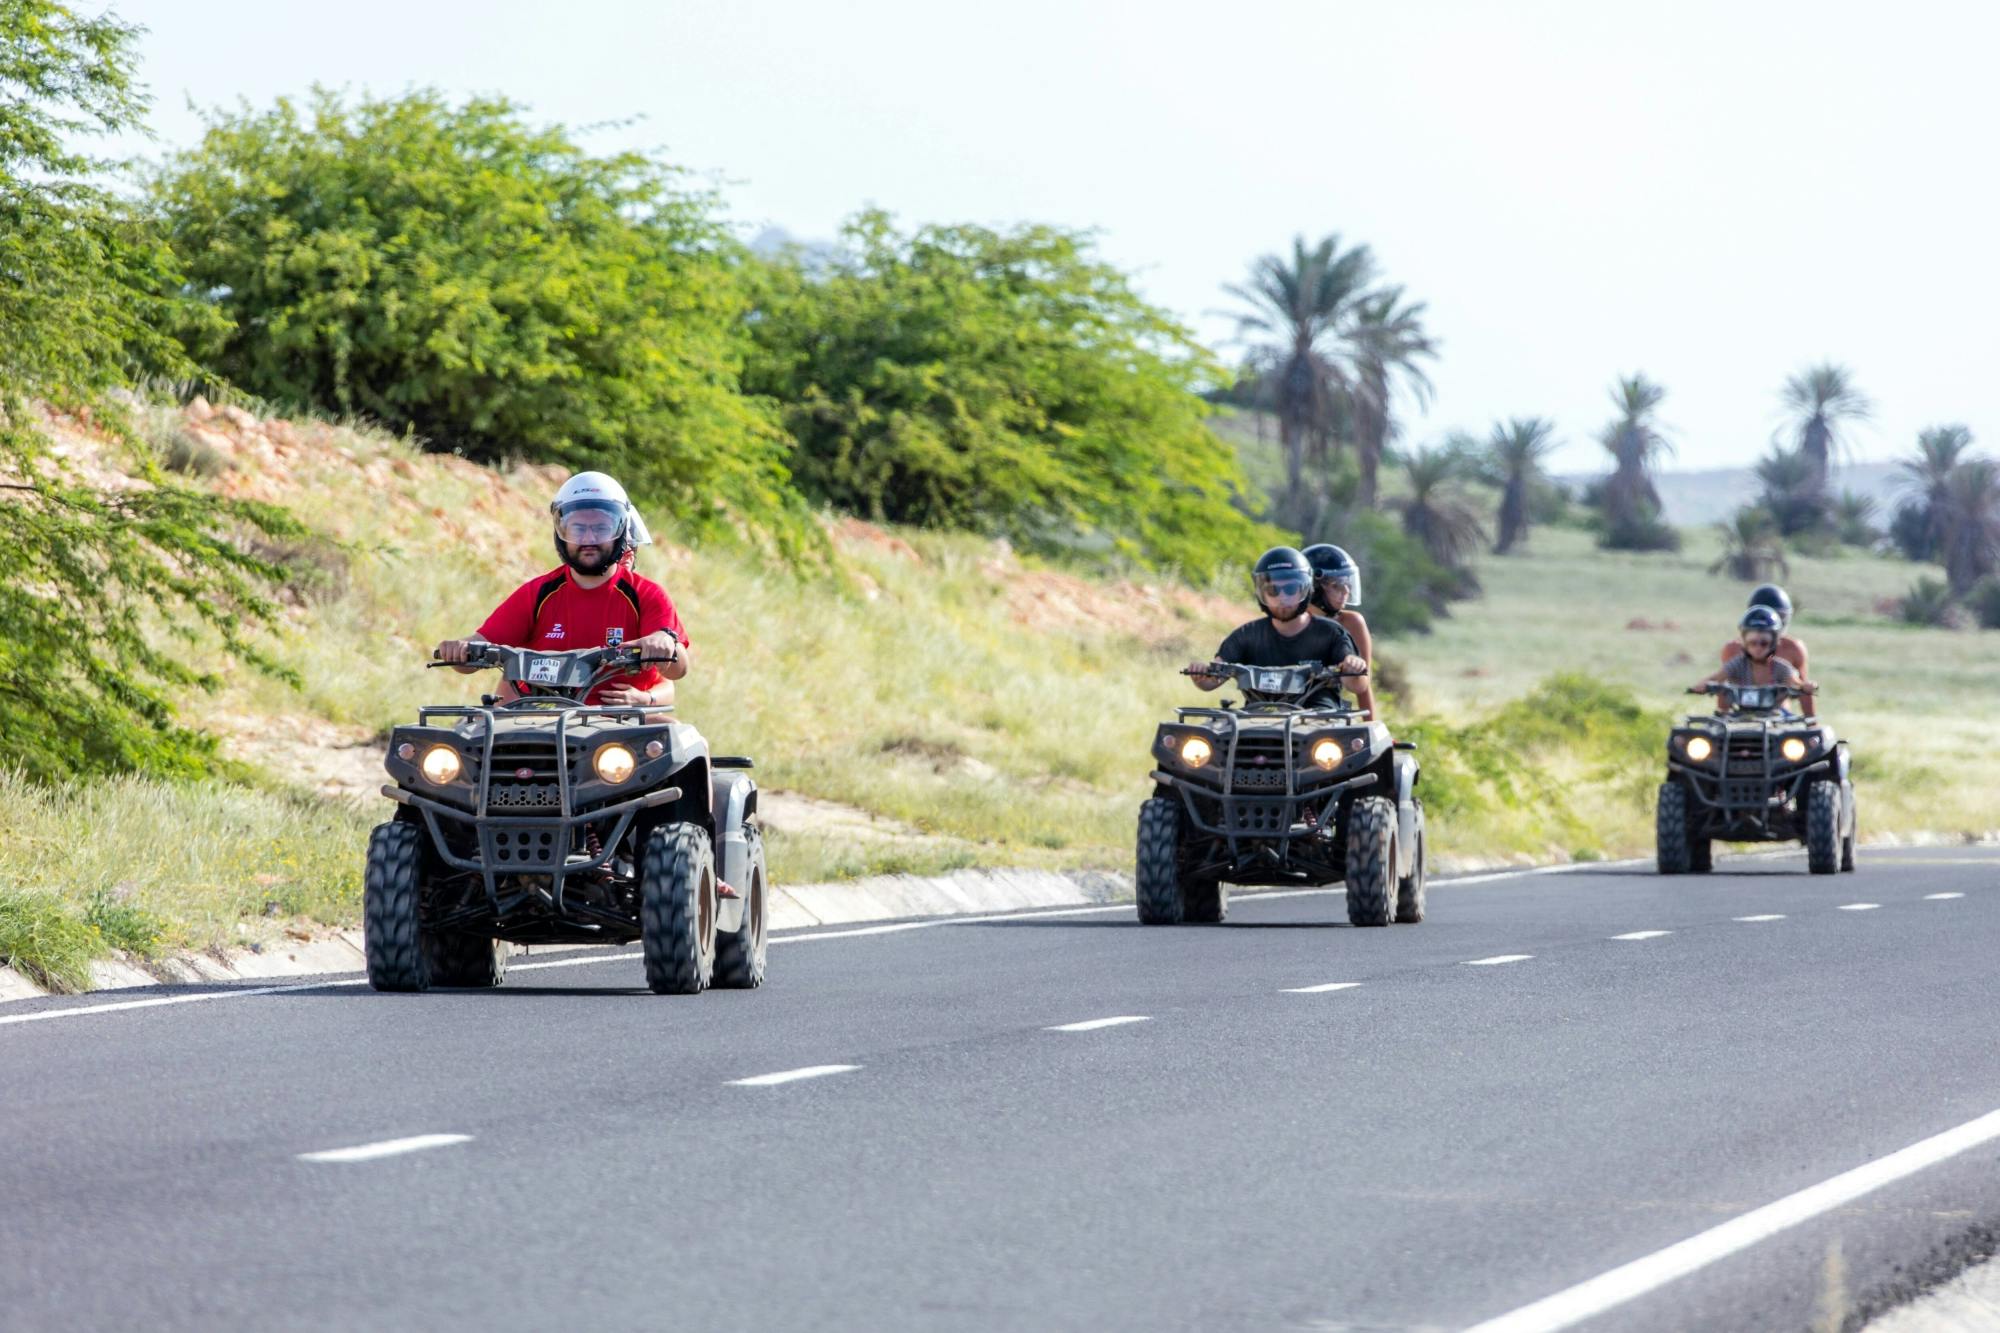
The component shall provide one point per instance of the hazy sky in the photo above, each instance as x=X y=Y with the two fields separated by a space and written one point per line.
x=1714 y=193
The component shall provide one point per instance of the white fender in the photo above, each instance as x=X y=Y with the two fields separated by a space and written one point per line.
x=1409 y=819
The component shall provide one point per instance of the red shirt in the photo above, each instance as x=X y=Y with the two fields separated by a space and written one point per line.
x=551 y=613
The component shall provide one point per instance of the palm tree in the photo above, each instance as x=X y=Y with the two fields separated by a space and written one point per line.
x=1821 y=400
x=1438 y=514
x=1854 y=519
x=1794 y=491
x=1389 y=338
x=1917 y=522
x=1752 y=549
x=1968 y=520
x=1304 y=304
x=1636 y=443
x=1517 y=450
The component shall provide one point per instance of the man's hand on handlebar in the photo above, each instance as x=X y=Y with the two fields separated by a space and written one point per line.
x=463 y=654
x=659 y=646
x=1352 y=665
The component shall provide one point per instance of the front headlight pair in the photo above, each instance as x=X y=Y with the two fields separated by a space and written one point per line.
x=613 y=763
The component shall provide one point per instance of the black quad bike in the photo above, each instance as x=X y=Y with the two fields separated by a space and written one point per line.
x=1757 y=773
x=1292 y=786
x=546 y=820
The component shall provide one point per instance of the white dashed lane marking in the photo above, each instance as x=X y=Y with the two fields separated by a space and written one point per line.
x=368 y=1152
x=1497 y=959
x=1768 y=916
x=1940 y=897
x=1859 y=907
x=1643 y=935
x=1092 y=1024
x=791 y=1076
x=1322 y=988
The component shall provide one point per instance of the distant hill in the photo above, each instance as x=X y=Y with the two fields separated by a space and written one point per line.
x=1697 y=498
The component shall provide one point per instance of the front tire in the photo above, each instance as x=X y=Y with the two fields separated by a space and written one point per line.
x=392 y=931
x=1205 y=903
x=677 y=909
x=469 y=961
x=1670 y=831
x=1410 y=889
x=739 y=957
x=1158 y=881
x=1823 y=828
x=1371 y=862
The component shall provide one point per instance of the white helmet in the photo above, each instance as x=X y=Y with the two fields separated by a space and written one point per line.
x=591 y=509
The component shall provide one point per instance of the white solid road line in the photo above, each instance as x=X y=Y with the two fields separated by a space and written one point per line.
x=1322 y=988
x=1940 y=897
x=1643 y=935
x=1629 y=1281
x=1859 y=907
x=791 y=1076
x=121 y=1006
x=368 y=1152
x=1498 y=959
x=1092 y=1024
x=1768 y=916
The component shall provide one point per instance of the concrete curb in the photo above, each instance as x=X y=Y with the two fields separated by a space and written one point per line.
x=877 y=898
x=1969 y=1303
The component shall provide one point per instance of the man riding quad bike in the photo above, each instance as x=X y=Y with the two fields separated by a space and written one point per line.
x=568 y=807
x=1294 y=786
x=1754 y=771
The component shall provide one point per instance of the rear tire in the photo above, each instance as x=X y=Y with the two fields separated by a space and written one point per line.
x=1371 y=862
x=392 y=932
x=739 y=957
x=1410 y=890
x=1701 y=855
x=1823 y=828
x=1158 y=882
x=1205 y=903
x=1670 y=830
x=469 y=961
x=677 y=909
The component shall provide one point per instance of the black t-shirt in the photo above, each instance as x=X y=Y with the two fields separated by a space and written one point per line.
x=1259 y=644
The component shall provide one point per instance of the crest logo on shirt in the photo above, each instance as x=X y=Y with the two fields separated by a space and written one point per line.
x=555 y=631
x=614 y=637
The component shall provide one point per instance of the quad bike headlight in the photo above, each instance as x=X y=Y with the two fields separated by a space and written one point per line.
x=1794 y=749
x=1326 y=752
x=614 y=763
x=441 y=765
x=1195 y=751
x=1698 y=748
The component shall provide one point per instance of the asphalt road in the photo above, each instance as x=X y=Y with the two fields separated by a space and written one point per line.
x=1431 y=1146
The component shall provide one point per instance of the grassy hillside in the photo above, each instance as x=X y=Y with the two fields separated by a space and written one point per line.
x=983 y=708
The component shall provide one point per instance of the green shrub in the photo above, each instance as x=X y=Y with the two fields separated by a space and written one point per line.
x=490 y=286
x=1010 y=383
x=43 y=941
x=1929 y=602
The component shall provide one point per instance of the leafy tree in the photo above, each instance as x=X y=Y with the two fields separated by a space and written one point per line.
x=488 y=285
x=1753 y=547
x=1389 y=339
x=1439 y=515
x=1009 y=382
x=1517 y=450
x=1636 y=443
x=85 y=686
x=1821 y=400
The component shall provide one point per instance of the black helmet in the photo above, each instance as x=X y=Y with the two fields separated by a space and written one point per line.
x=1761 y=618
x=1331 y=564
x=1284 y=582
x=1771 y=595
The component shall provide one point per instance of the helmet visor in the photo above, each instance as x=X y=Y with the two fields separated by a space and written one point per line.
x=590 y=524
x=1333 y=583
x=1283 y=592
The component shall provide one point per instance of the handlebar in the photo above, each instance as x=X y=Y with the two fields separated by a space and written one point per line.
x=1718 y=686
x=1223 y=669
